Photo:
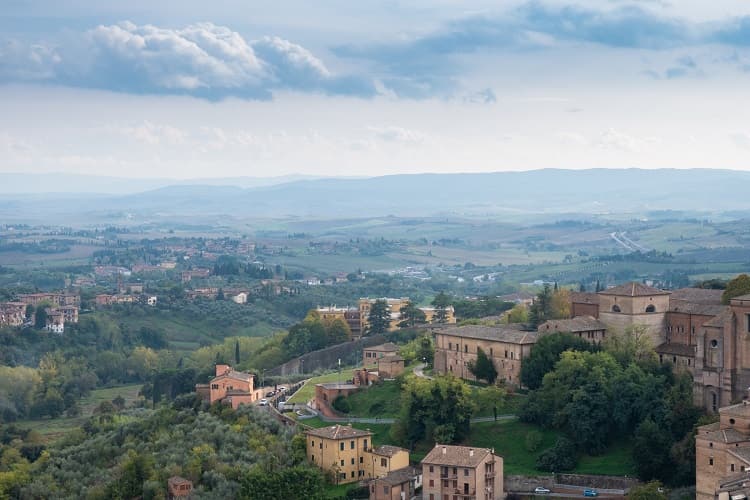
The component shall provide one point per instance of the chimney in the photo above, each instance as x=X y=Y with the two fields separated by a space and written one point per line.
x=471 y=452
x=445 y=450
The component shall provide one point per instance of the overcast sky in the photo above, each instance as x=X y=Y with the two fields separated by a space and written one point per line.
x=189 y=88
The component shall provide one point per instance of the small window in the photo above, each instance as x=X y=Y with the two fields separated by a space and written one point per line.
x=731 y=421
x=341 y=446
x=361 y=459
x=714 y=344
x=352 y=461
x=711 y=461
x=615 y=308
x=384 y=462
x=651 y=308
x=351 y=445
x=466 y=472
x=466 y=348
x=432 y=469
x=342 y=463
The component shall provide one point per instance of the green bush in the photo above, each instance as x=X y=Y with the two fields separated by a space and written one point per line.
x=533 y=440
x=341 y=405
x=561 y=457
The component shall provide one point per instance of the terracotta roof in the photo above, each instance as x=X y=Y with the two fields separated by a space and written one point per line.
x=633 y=289
x=387 y=450
x=742 y=297
x=387 y=347
x=584 y=297
x=741 y=453
x=338 y=432
x=233 y=374
x=459 y=456
x=178 y=480
x=577 y=324
x=399 y=476
x=500 y=333
x=390 y=359
x=725 y=436
x=697 y=295
x=676 y=349
x=682 y=306
x=237 y=392
x=739 y=410
x=719 y=320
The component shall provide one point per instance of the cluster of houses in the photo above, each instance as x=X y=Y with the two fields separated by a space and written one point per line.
x=349 y=455
x=357 y=317
x=60 y=308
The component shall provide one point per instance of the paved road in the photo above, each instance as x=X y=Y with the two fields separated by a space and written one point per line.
x=368 y=420
x=418 y=371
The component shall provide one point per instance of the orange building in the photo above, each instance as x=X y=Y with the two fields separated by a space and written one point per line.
x=229 y=386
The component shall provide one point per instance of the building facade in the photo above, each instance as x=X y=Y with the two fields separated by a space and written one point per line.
x=462 y=472
x=347 y=453
x=505 y=345
x=228 y=386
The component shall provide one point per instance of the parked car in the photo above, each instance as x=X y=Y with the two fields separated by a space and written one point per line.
x=270 y=394
x=541 y=490
x=263 y=402
x=590 y=493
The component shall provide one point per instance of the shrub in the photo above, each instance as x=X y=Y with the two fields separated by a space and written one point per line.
x=561 y=457
x=341 y=404
x=533 y=441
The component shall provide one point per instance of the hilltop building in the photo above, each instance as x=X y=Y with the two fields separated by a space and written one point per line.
x=462 y=472
x=690 y=329
x=12 y=313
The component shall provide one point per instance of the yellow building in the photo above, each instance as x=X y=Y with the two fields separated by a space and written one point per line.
x=347 y=453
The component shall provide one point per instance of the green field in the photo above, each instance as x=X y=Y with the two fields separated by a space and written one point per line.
x=508 y=438
x=379 y=400
x=51 y=429
x=307 y=391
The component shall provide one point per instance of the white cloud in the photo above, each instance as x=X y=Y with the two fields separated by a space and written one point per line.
x=614 y=139
x=154 y=134
x=398 y=135
x=741 y=139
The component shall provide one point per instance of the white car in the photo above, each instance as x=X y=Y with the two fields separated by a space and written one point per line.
x=540 y=490
x=263 y=402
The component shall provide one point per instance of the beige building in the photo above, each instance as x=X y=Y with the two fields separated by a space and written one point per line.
x=394 y=306
x=585 y=327
x=722 y=453
x=463 y=473
x=371 y=355
x=635 y=304
x=347 y=454
x=505 y=345
x=12 y=313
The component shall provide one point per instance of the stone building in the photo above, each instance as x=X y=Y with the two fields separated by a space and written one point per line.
x=371 y=355
x=505 y=345
x=397 y=485
x=462 y=472
x=635 y=304
x=12 y=313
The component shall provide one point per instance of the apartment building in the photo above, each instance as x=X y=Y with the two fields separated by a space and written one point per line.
x=462 y=473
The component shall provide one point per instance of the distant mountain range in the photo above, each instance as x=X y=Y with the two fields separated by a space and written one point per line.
x=593 y=191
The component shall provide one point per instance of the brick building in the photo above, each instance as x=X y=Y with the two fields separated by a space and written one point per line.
x=585 y=327
x=505 y=345
x=12 y=313
x=462 y=472
x=228 y=386
x=397 y=485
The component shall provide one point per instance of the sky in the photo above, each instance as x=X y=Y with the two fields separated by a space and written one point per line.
x=194 y=89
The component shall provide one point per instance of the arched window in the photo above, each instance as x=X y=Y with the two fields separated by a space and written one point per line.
x=615 y=308
x=714 y=344
x=650 y=308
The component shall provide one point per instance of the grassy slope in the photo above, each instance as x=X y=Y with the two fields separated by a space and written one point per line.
x=307 y=392
x=381 y=400
x=509 y=440
x=51 y=429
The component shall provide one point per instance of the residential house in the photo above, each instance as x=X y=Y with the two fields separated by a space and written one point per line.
x=179 y=487
x=326 y=394
x=462 y=472
x=228 y=386
x=400 y=484
x=12 y=313
x=370 y=355
x=347 y=453
x=55 y=322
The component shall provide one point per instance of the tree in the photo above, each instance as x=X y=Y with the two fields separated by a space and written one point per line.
x=220 y=294
x=440 y=408
x=541 y=309
x=561 y=457
x=483 y=368
x=237 y=352
x=379 y=319
x=411 y=315
x=40 y=317
x=560 y=305
x=441 y=303
x=519 y=314
x=632 y=345
x=337 y=331
x=651 y=446
x=736 y=287
x=650 y=491
x=546 y=354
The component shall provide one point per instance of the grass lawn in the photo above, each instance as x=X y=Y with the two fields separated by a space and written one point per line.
x=380 y=400
x=51 y=429
x=307 y=392
x=338 y=490
x=509 y=405
x=509 y=440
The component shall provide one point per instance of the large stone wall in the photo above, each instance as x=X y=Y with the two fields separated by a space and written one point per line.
x=350 y=353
